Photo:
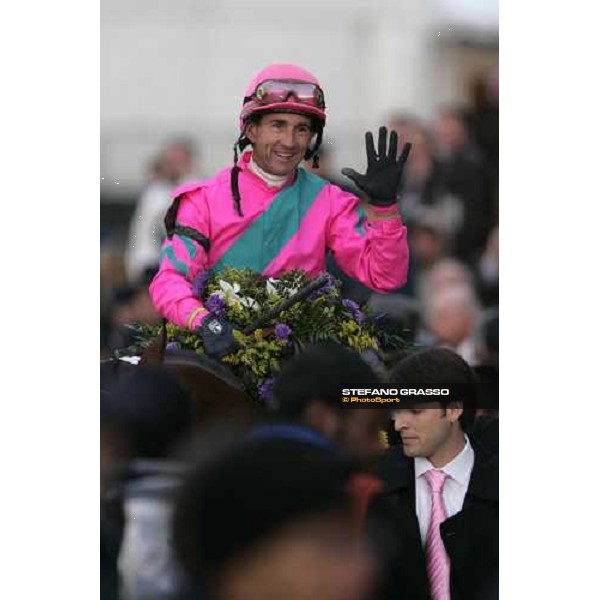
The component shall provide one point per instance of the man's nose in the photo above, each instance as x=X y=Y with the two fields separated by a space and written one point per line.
x=400 y=421
x=288 y=138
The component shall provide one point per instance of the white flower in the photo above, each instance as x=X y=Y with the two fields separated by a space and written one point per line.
x=271 y=289
x=250 y=303
x=229 y=293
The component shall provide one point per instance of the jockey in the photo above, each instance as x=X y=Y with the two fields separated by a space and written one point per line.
x=266 y=214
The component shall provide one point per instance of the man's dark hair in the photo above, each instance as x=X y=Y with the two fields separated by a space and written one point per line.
x=149 y=408
x=250 y=492
x=319 y=373
x=435 y=367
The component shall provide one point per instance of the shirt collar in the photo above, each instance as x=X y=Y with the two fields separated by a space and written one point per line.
x=459 y=468
x=244 y=165
x=270 y=180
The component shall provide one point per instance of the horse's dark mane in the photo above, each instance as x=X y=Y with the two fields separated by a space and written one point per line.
x=205 y=363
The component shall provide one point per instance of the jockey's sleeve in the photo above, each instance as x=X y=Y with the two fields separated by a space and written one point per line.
x=371 y=250
x=182 y=257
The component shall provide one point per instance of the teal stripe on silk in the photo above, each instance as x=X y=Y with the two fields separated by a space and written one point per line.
x=360 y=225
x=189 y=245
x=269 y=233
x=170 y=254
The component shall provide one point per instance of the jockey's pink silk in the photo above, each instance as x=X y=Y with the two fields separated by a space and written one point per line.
x=278 y=231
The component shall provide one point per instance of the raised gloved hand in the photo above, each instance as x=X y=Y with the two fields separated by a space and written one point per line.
x=384 y=170
x=217 y=336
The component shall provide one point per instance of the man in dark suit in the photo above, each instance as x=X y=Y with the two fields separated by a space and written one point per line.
x=442 y=480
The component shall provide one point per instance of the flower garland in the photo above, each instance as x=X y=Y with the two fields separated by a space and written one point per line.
x=242 y=295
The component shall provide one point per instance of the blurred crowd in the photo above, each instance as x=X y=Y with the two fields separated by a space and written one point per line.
x=125 y=273
x=449 y=203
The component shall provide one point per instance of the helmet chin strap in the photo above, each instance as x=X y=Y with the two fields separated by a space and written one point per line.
x=313 y=152
x=241 y=142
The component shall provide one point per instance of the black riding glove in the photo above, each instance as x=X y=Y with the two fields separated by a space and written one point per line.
x=217 y=336
x=384 y=170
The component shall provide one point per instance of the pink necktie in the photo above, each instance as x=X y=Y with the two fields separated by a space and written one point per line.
x=438 y=563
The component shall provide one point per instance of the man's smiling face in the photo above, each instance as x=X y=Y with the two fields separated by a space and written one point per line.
x=279 y=141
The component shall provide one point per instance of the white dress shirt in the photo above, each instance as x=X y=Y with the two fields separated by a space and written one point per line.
x=455 y=488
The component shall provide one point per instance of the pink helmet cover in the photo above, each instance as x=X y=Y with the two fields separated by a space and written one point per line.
x=281 y=71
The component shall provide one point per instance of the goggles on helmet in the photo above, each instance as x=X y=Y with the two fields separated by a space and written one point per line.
x=274 y=91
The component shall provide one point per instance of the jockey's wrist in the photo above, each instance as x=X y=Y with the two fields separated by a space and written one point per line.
x=382 y=212
x=196 y=317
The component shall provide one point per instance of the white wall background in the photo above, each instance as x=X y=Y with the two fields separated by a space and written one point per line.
x=181 y=66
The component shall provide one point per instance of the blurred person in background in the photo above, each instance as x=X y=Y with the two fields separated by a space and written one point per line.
x=462 y=174
x=443 y=479
x=442 y=274
x=145 y=415
x=119 y=315
x=425 y=197
x=129 y=304
x=487 y=366
x=265 y=214
x=484 y=119
x=488 y=346
x=404 y=124
x=112 y=278
x=274 y=518
x=430 y=242
x=451 y=316
x=307 y=392
x=430 y=282
x=488 y=269
x=172 y=167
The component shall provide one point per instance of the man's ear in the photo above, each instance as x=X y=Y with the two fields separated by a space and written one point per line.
x=250 y=131
x=323 y=417
x=454 y=410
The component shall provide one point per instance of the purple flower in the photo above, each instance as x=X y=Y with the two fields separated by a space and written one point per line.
x=173 y=346
x=265 y=390
x=216 y=305
x=200 y=282
x=324 y=289
x=354 y=309
x=350 y=304
x=282 y=331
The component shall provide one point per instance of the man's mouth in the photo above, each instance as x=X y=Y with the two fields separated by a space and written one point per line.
x=284 y=155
